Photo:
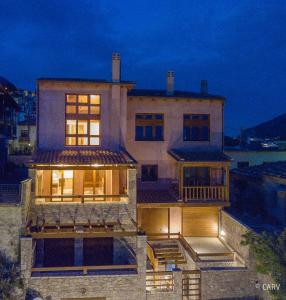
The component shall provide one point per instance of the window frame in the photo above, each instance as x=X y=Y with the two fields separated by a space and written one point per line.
x=153 y=122
x=77 y=117
x=157 y=172
x=196 y=123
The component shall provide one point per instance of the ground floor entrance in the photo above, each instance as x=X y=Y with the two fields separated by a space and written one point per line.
x=189 y=221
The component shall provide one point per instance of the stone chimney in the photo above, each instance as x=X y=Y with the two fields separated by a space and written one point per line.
x=116 y=67
x=170 y=83
x=204 y=87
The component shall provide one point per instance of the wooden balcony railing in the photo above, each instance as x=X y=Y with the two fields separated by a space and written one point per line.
x=205 y=193
x=80 y=198
x=159 y=281
x=152 y=257
x=84 y=269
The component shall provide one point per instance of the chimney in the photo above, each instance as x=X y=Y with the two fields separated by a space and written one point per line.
x=116 y=67
x=170 y=83
x=204 y=87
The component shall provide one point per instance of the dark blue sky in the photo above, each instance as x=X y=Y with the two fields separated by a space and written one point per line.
x=239 y=46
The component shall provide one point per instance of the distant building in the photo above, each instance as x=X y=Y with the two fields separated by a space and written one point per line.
x=263 y=186
x=243 y=158
x=22 y=147
x=8 y=119
x=27 y=101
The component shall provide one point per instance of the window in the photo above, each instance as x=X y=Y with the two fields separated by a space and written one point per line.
x=94 y=182
x=196 y=127
x=82 y=120
x=149 y=173
x=196 y=176
x=62 y=183
x=149 y=127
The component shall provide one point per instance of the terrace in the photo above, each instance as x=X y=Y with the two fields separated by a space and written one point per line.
x=81 y=176
x=77 y=254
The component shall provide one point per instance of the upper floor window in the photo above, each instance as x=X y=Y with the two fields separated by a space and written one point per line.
x=196 y=127
x=149 y=173
x=149 y=127
x=82 y=120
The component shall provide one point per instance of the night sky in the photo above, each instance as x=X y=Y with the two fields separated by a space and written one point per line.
x=238 y=46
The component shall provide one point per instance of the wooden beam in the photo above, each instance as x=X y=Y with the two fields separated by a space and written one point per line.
x=61 y=234
x=190 y=203
x=84 y=269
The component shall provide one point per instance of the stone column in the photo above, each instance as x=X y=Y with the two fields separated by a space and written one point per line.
x=178 y=289
x=132 y=193
x=26 y=258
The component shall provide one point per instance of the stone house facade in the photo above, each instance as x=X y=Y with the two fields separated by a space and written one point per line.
x=128 y=190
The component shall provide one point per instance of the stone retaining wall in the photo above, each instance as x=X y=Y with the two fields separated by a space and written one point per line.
x=113 y=287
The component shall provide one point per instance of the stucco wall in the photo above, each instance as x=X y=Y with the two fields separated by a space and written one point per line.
x=51 y=127
x=173 y=130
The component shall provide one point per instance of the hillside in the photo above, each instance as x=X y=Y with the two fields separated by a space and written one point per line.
x=271 y=129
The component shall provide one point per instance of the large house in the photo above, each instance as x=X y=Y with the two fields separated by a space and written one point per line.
x=129 y=187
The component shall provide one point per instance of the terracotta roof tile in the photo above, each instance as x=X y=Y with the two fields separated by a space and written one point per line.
x=82 y=157
x=189 y=155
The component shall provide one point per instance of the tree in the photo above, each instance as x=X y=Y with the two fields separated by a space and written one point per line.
x=11 y=284
x=270 y=255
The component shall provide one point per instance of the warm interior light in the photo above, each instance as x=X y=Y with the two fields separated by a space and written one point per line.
x=68 y=174
x=97 y=165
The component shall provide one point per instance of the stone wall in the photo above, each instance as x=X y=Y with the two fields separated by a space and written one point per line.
x=12 y=219
x=232 y=231
x=117 y=287
x=10 y=226
x=223 y=284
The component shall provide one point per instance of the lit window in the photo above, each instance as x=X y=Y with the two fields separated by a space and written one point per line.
x=82 y=132
x=94 y=127
x=82 y=99
x=82 y=127
x=71 y=127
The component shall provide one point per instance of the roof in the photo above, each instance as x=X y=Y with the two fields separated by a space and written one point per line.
x=82 y=157
x=176 y=94
x=84 y=80
x=157 y=196
x=6 y=85
x=8 y=100
x=275 y=169
x=189 y=155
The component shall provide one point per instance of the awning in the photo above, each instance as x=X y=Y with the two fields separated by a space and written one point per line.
x=82 y=157
x=186 y=155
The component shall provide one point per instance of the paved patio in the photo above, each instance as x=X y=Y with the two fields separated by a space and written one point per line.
x=205 y=245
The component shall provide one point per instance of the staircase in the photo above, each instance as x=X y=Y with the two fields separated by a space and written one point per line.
x=168 y=252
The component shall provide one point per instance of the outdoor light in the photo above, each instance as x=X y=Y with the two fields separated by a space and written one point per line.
x=222 y=233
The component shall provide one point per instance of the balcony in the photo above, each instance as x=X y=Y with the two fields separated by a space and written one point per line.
x=205 y=193
x=81 y=186
x=83 y=256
